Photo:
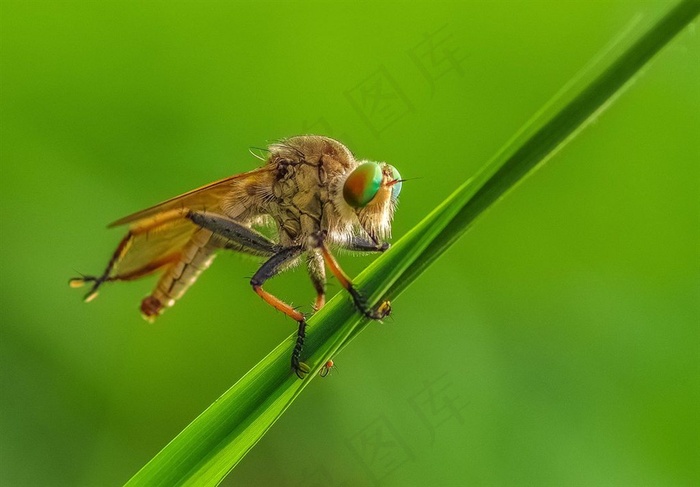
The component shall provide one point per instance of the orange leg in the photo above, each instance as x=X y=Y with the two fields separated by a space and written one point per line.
x=278 y=304
x=380 y=312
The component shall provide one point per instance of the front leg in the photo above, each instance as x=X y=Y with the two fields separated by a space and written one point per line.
x=360 y=244
x=384 y=308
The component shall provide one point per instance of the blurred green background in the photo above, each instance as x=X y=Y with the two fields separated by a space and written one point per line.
x=556 y=343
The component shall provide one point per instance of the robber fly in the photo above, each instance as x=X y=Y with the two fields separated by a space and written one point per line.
x=311 y=191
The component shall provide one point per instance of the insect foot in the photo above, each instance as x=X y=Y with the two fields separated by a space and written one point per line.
x=381 y=312
x=384 y=309
x=300 y=368
x=77 y=282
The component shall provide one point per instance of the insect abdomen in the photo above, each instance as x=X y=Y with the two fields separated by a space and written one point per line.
x=197 y=255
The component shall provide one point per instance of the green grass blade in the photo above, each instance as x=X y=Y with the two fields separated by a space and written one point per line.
x=205 y=451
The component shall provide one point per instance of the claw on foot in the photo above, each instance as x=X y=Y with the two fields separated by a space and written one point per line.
x=77 y=282
x=381 y=312
x=301 y=369
x=91 y=295
x=384 y=309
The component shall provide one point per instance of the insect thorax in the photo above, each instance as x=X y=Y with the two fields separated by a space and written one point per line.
x=308 y=173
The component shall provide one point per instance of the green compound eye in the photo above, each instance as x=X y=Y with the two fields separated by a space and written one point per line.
x=395 y=187
x=362 y=184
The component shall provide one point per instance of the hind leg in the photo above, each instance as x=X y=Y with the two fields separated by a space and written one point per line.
x=121 y=250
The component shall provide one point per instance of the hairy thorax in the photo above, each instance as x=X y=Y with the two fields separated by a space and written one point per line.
x=307 y=172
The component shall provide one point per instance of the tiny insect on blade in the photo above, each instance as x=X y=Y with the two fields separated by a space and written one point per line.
x=327 y=368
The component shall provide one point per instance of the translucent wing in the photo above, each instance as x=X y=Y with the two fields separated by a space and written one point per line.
x=208 y=197
x=148 y=251
x=158 y=235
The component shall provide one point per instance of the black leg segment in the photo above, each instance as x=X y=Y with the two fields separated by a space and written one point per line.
x=359 y=244
x=239 y=237
x=269 y=269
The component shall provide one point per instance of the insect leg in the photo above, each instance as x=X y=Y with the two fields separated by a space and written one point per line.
x=359 y=244
x=269 y=269
x=380 y=312
x=317 y=273
x=121 y=251
x=239 y=237
x=105 y=277
x=143 y=271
